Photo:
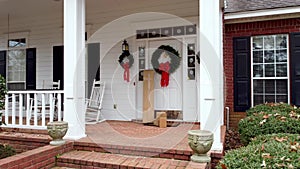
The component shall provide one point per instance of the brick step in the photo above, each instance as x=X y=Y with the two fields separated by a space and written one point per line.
x=97 y=160
x=175 y=153
x=170 y=122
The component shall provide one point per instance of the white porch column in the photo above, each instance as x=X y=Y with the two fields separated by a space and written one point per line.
x=74 y=52
x=211 y=69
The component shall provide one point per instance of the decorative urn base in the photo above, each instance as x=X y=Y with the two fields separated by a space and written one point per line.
x=57 y=130
x=200 y=142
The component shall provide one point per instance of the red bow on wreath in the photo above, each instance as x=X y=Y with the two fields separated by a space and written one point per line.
x=126 y=71
x=126 y=60
x=164 y=68
x=165 y=60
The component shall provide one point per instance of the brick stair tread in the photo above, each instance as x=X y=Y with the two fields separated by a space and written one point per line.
x=173 y=153
x=77 y=159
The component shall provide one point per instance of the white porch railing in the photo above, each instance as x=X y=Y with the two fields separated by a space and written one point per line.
x=33 y=108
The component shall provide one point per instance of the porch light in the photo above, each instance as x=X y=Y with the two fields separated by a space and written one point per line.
x=125 y=46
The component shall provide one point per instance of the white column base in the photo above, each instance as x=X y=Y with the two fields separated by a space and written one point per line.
x=217 y=147
x=72 y=137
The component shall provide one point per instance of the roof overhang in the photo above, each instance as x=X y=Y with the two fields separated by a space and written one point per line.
x=260 y=15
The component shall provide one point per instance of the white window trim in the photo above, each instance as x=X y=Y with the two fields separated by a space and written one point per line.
x=17 y=35
x=266 y=78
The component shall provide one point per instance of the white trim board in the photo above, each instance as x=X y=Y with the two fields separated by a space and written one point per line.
x=168 y=21
x=259 y=13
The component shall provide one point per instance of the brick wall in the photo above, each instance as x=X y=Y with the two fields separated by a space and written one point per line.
x=23 y=143
x=42 y=157
x=248 y=29
x=33 y=150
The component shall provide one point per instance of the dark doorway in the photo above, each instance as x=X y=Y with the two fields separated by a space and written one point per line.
x=58 y=65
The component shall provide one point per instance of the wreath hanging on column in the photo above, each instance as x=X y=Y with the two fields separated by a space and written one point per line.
x=165 y=60
x=126 y=61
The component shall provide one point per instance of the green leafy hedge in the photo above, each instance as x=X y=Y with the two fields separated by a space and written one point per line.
x=267 y=151
x=3 y=91
x=270 y=107
x=268 y=119
x=6 y=151
x=1 y=122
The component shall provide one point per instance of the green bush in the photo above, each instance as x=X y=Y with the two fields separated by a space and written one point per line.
x=270 y=107
x=6 y=151
x=1 y=120
x=269 y=119
x=3 y=91
x=268 y=151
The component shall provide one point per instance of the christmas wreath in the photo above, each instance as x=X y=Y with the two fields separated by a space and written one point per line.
x=126 y=61
x=173 y=54
x=128 y=56
x=198 y=57
x=165 y=60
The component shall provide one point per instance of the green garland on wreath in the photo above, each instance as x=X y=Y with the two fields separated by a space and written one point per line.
x=123 y=56
x=198 y=57
x=174 y=56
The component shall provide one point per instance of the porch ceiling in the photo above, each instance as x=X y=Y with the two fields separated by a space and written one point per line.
x=29 y=11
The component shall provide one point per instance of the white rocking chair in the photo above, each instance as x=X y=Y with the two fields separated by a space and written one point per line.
x=94 y=104
x=51 y=108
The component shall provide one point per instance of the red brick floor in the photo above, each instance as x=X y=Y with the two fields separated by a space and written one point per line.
x=139 y=135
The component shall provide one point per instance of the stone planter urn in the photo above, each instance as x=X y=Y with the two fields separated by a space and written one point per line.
x=57 y=130
x=200 y=142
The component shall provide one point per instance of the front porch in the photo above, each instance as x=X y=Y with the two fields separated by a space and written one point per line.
x=58 y=36
x=112 y=144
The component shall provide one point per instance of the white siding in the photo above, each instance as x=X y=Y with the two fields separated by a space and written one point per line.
x=117 y=91
x=42 y=35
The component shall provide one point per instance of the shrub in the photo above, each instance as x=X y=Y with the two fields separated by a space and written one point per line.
x=270 y=107
x=268 y=151
x=268 y=119
x=232 y=140
x=6 y=151
x=1 y=120
x=3 y=91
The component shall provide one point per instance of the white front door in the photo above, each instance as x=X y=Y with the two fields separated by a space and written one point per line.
x=181 y=93
x=170 y=97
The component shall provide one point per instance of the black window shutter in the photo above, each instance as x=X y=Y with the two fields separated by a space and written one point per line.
x=295 y=68
x=58 y=65
x=242 y=74
x=31 y=68
x=97 y=77
x=3 y=63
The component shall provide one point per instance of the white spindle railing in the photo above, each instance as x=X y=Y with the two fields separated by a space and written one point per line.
x=36 y=107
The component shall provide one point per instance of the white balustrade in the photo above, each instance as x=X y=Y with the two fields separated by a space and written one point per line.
x=36 y=107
